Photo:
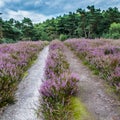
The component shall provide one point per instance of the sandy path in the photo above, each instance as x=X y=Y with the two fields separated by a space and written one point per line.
x=27 y=94
x=92 y=91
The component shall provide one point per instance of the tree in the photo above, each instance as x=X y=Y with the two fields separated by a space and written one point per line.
x=114 y=30
x=1 y=32
x=111 y=15
x=27 y=29
x=83 y=22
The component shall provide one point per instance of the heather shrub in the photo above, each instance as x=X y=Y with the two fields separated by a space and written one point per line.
x=56 y=45
x=59 y=89
x=56 y=95
x=14 y=61
x=56 y=64
x=102 y=55
x=59 y=85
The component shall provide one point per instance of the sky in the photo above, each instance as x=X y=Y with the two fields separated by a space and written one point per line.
x=40 y=10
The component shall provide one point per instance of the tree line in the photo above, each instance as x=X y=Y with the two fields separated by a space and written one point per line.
x=88 y=23
x=13 y=30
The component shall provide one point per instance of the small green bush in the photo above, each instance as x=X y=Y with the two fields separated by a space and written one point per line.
x=6 y=40
x=63 y=37
x=115 y=35
x=114 y=31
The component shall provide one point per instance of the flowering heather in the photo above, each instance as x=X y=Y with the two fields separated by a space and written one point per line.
x=56 y=64
x=59 y=84
x=14 y=61
x=56 y=45
x=62 y=86
x=103 y=55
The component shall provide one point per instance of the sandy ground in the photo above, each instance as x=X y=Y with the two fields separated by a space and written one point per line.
x=93 y=91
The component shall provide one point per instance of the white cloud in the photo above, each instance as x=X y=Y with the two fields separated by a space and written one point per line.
x=19 y=15
x=7 y=1
x=54 y=3
x=37 y=3
x=68 y=7
x=2 y=4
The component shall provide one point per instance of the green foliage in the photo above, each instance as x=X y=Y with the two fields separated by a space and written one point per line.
x=63 y=37
x=44 y=36
x=6 y=40
x=9 y=31
x=12 y=30
x=105 y=35
x=91 y=23
x=58 y=112
x=115 y=35
x=114 y=30
x=27 y=28
x=115 y=27
x=79 y=32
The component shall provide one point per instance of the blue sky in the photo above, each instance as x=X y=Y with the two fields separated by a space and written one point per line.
x=40 y=10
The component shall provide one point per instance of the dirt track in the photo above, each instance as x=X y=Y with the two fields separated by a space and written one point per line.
x=93 y=91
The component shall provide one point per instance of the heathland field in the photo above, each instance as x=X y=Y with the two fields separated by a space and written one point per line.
x=78 y=79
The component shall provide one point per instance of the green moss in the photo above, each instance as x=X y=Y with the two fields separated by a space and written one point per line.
x=79 y=110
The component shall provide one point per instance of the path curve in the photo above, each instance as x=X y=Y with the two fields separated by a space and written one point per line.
x=92 y=91
x=27 y=94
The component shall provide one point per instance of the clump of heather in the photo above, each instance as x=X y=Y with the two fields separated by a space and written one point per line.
x=59 y=85
x=60 y=88
x=14 y=61
x=56 y=94
x=56 y=64
x=56 y=45
x=103 y=55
